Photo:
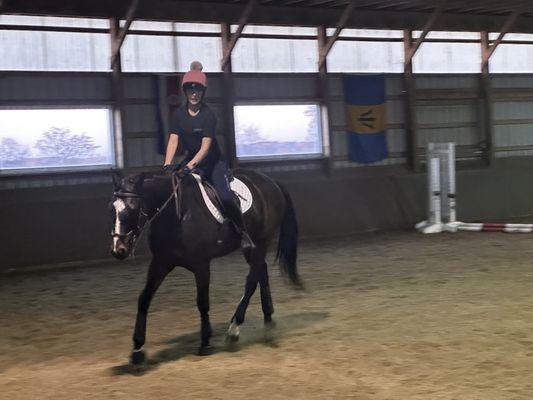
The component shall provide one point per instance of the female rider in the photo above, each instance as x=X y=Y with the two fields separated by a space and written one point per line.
x=193 y=125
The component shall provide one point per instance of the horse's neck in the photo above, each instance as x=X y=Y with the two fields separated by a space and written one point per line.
x=159 y=190
x=156 y=192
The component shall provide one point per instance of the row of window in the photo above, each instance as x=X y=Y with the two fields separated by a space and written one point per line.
x=69 y=51
x=66 y=139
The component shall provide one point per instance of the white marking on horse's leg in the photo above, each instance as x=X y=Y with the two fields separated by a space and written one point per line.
x=139 y=349
x=119 y=207
x=233 y=330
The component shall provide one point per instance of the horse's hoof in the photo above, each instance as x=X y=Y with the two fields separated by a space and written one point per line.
x=270 y=324
x=232 y=338
x=233 y=333
x=138 y=357
x=205 y=350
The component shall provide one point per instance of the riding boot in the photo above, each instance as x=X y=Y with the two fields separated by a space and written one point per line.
x=234 y=214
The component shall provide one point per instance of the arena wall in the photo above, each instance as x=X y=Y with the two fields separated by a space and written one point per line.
x=59 y=217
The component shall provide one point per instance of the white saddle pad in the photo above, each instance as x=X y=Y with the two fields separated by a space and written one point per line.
x=238 y=186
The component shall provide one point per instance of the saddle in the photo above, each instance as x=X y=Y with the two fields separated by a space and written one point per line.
x=212 y=200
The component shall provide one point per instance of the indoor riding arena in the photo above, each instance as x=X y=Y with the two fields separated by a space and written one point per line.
x=330 y=114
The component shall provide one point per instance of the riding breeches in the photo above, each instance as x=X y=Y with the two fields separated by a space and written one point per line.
x=219 y=179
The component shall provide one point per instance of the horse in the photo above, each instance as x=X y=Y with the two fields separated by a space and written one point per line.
x=184 y=233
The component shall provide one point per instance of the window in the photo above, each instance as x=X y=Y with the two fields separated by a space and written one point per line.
x=348 y=56
x=278 y=131
x=361 y=56
x=275 y=55
x=168 y=53
x=32 y=139
x=448 y=57
x=22 y=50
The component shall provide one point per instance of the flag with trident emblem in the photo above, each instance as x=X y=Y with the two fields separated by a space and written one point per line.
x=365 y=117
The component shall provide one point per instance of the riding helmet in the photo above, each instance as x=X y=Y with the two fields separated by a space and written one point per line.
x=194 y=78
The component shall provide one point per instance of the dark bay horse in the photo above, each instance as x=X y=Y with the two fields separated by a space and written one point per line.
x=184 y=233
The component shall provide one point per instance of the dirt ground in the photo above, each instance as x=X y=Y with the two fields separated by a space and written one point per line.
x=384 y=316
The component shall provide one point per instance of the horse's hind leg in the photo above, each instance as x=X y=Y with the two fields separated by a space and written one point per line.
x=266 y=296
x=156 y=274
x=256 y=260
x=202 y=276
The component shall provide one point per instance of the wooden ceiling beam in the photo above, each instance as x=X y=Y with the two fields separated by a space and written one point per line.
x=243 y=20
x=346 y=14
x=425 y=30
x=121 y=34
x=505 y=29
x=211 y=12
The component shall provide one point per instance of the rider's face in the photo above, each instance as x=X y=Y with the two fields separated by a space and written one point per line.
x=194 y=96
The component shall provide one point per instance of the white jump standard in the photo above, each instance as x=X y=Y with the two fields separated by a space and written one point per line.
x=442 y=201
x=441 y=188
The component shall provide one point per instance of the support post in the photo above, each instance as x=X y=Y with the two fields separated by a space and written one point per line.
x=118 y=97
x=409 y=99
x=409 y=104
x=485 y=94
x=120 y=35
x=485 y=90
x=228 y=98
x=323 y=95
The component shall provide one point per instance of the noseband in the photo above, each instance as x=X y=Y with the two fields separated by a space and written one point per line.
x=136 y=232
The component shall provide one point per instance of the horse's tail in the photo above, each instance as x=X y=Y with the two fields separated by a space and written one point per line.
x=288 y=242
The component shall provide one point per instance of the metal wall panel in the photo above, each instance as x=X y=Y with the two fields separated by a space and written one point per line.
x=462 y=136
x=142 y=152
x=512 y=110
x=139 y=87
x=460 y=82
x=512 y=81
x=275 y=87
x=513 y=135
x=140 y=119
x=55 y=87
x=429 y=114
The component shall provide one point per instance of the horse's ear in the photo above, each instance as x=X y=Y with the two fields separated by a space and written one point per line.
x=117 y=180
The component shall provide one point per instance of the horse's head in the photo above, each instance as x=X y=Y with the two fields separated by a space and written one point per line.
x=126 y=208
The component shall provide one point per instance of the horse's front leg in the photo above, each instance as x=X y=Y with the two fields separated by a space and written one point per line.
x=156 y=274
x=202 y=277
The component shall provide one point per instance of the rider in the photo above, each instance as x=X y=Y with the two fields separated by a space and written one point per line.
x=194 y=126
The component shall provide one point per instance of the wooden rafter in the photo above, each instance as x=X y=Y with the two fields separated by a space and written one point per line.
x=505 y=29
x=346 y=14
x=413 y=48
x=243 y=20
x=121 y=34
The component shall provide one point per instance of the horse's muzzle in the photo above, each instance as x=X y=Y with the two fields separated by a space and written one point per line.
x=121 y=253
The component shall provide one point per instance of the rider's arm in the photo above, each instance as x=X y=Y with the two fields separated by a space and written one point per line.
x=172 y=146
x=204 y=149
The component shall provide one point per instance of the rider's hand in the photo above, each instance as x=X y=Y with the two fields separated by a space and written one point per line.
x=167 y=168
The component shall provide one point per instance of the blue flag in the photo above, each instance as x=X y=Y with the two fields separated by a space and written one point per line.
x=364 y=96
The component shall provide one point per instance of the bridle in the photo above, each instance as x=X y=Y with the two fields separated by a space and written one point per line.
x=135 y=233
x=143 y=221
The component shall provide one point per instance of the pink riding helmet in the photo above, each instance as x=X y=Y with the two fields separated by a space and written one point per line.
x=195 y=77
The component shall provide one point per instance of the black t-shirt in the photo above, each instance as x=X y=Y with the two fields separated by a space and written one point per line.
x=191 y=130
